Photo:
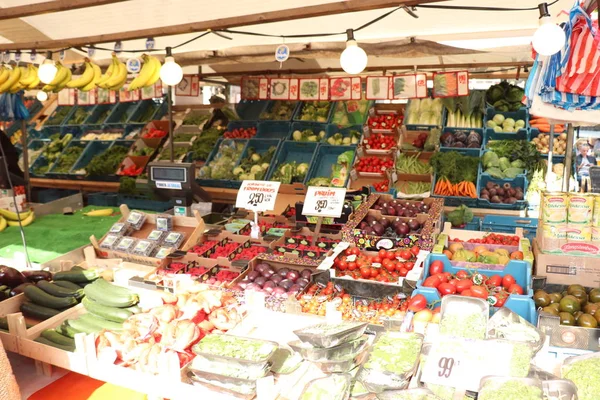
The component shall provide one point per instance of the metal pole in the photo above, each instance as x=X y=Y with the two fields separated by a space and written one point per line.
x=568 y=157
x=25 y=159
x=170 y=100
x=550 y=153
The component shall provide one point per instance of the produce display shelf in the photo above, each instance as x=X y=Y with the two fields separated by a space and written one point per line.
x=315 y=127
x=59 y=109
x=332 y=129
x=519 y=181
x=269 y=107
x=228 y=183
x=138 y=116
x=490 y=135
x=99 y=114
x=274 y=130
x=250 y=110
x=299 y=152
x=325 y=159
x=52 y=173
x=94 y=148
x=121 y=112
x=298 y=112
x=87 y=109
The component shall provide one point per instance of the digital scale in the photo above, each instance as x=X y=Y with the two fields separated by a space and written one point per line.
x=176 y=182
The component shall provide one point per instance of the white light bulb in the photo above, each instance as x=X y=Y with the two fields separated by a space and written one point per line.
x=353 y=58
x=171 y=73
x=42 y=96
x=549 y=38
x=47 y=71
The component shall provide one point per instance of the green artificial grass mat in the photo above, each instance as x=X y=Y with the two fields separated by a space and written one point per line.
x=50 y=236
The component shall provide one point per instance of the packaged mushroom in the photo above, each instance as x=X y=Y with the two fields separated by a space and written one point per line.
x=136 y=219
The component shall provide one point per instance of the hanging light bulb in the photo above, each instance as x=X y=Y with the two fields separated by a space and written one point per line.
x=549 y=38
x=353 y=58
x=171 y=73
x=47 y=70
x=41 y=95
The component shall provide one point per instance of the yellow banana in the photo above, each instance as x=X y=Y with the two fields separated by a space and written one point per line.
x=30 y=77
x=118 y=79
x=12 y=216
x=16 y=88
x=15 y=75
x=146 y=73
x=4 y=74
x=105 y=212
x=64 y=82
x=61 y=74
x=112 y=69
x=36 y=80
x=156 y=76
x=85 y=78
x=94 y=82
x=48 y=88
x=3 y=224
x=24 y=222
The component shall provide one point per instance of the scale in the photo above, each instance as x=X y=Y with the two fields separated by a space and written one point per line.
x=176 y=182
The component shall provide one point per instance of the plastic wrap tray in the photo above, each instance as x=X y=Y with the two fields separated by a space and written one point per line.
x=342 y=351
x=345 y=332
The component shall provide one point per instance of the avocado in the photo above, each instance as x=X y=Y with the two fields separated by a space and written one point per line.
x=573 y=288
x=594 y=295
x=551 y=310
x=566 y=319
x=555 y=297
x=581 y=295
x=541 y=298
x=587 y=321
x=569 y=304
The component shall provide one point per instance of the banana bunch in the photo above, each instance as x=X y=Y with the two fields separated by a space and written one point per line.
x=115 y=76
x=88 y=80
x=18 y=78
x=9 y=218
x=63 y=76
x=149 y=73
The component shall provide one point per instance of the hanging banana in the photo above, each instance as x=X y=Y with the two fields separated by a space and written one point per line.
x=156 y=76
x=118 y=78
x=28 y=75
x=109 y=71
x=4 y=74
x=94 y=82
x=145 y=75
x=36 y=81
x=13 y=79
x=61 y=85
x=85 y=78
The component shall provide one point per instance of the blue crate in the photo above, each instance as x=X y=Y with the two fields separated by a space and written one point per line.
x=533 y=133
x=144 y=203
x=94 y=148
x=490 y=135
x=41 y=161
x=160 y=110
x=519 y=181
x=507 y=224
x=325 y=158
x=516 y=115
x=260 y=146
x=88 y=109
x=103 y=199
x=241 y=125
x=332 y=129
x=58 y=109
x=422 y=127
x=274 y=130
x=67 y=175
x=520 y=304
x=463 y=150
x=250 y=110
x=455 y=201
x=271 y=103
x=520 y=270
x=474 y=225
x=302 y=104
x=483 y=173
x=289 y=151
x=316 y=127
x=124 y=142
x=97 y=112
x=121 y=113
x=226 y=183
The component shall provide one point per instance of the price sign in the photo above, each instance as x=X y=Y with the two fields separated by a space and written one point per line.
x=257 y=195
x=324 y=202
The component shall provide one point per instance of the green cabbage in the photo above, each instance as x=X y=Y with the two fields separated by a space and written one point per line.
x=490 y=159
x=512 y=173
x=495 y=172
x=504 y=163
x=517 y=164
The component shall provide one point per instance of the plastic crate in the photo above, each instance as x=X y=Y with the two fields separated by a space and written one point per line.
x=272 y=103
x=455 y=201
x=519 y=181
x=94 y=148
x=226 y=183
x=522 y=114
x=144 y=203
x=356 y=117
x=325 y=158
x=332 y=129
x=533 y=133
x=67 y=174
x=87 y=109
x=250 y=110
x=58 y=109
x=301 y=106
x=299 y=152
x=490 y=135
x=507 y=224
x=474 y=225
x=274 y=130
x=315 y=127
x=463 y=150
x=99 y=114
x=142 y=116
x=483 y=173
x=121 y=113
x=241 y=124
x=41 y=161
x=260 y=146
x=103 y=199
x=49 y=195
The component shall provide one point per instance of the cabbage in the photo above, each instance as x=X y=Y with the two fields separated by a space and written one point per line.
x=495 y=172
x=512 y=173
x=517 y=164
x=490 y=159
x=504 y=163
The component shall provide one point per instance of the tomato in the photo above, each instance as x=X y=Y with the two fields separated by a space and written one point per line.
x=403 y=272
x=342 y=265
x=377 y=259
x=415 y=250
x=467 y=293
x=432 y=281
x=463 y=284
x=352 y=266
x=353 y=251
x=375 y=272
x=409 y=265
x=382 y=253
x=453 y=282
x=500 y=299
x=436 y=267
x=400 y=265
x=417 y=303
x=507 y=281
x=390 y=255
x=444 y=277
x=365 y=272
x=390 y=267
x=424 y=315
x=515 y=289
x=406 y=255
x=479 y=291
x=494 y=281
x=446 y=288
x=462 y=274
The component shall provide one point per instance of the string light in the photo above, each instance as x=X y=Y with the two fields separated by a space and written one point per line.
x=47 y=70
x=549 y=38
x=353 y=59
x=41 y=95
x=171 y=73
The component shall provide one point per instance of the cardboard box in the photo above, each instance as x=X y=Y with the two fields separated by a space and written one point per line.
x=7 y=203
x=567 y=269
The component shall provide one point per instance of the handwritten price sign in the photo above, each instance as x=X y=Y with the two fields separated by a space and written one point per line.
x=257 y=195
x=324 y=202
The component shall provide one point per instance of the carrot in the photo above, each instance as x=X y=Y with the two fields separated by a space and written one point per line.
x=472 y=190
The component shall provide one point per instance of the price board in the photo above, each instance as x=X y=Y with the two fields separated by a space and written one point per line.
x=324 y=201
x=257 y=195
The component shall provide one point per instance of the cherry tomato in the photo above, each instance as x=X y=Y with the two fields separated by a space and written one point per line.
x=500 y=299
x=479 y=291
x=515 y=289
x=417 y=303
x=463 y=284
x=432 y=281
x=507 y=281
x=406 y=255
x=446 y=288
x=415 y=250
x=494 y=281
x=365 y=272
x=436 y=267
x=462 y=274
x=409 y=265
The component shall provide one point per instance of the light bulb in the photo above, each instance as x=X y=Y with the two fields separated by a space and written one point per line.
x=47 y=71
x=171 y=73
x=42 y=96
x=353 y=58
x=549 y=38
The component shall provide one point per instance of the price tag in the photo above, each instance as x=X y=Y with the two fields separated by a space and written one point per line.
x=324 y=202
x=257 y=195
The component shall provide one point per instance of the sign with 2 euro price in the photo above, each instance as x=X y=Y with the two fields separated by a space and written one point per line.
x=324 y=202
x=257 y=195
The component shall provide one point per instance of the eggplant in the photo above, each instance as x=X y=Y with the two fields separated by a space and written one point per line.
x=19 y=289
x=37 y=275
x=10 y=276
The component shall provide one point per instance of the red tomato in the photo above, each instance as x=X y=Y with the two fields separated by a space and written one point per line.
x=453 y=282
x=515 y=289
x=494 y=281
x=365 y=272
x=444 y=278
x=375 y=272
x=500 y=299
x=390 y=255
x=462 y=274
x=409 y=265
x=342 y=265
x=377 y=259
x=432 y=281
x=400 y=266
x=406 y=255
x=415 y=250
x=352 y=266
x=382 y=253
x=446 y=288
x=507 y=281
x=467 y=293
x=436 y=267
x=403 y=272
x=390 y=266
x=417 y=303
x=353 y=251
x=479 y=291
x=463 y=284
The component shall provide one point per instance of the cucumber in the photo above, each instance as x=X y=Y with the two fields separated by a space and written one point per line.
x=47 y=342
x=114 y=289
x=59 y=291
x=35 y=311
x=134 y=309
x=99 y=294
x=101 y=322
x=83 y=326
x=68 y=330
x=38 y=296
x=83 y=285
x=77 y=268
x=57 y=338
x=77 y=276
x=109 y=313
x=67 y=285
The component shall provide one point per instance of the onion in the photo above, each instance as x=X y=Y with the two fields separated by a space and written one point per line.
x=252 y=275
x=237 y=287
x=302 y=282
x=293 y=275
x=260 y=281
x=286 y=284
x=269 y=289
x=278 y=291
x=243 y=284
x=306 y=273
x=283 y=272
x=253 y=287
x=294 y=289
x=270 y=284
x=268 y=273
x=277 y=279
x=262 y=267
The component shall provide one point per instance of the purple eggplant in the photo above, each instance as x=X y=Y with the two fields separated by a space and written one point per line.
x=37 y=275
x=19 y=289
x=10 y=276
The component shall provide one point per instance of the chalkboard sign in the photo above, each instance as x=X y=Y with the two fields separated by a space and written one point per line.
x=595 y=179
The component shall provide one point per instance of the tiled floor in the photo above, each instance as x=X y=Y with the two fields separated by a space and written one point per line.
x=28 y=379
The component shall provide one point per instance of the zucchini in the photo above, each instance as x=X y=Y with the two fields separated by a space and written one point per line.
x=84 y=284
x=57 y=338
x=47 y=342
x=99 y=294
x=35 y=311
x=134 y=309
x=77 y=268
x=4 y=324
x=77 y=276
x=109 y=313
x=59 y=291
x=83 y=326
x=101 y=322
x=114 y=289
x=67 y=285
x=38 y=296
x=68 y=330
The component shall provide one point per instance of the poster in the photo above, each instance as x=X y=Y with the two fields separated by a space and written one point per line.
x=450 y=84
x=377 y=87
x=340 y=88
x=86 y=98
x=309 y=89
x=280 y=89
x=403 y=86
x=66 y=97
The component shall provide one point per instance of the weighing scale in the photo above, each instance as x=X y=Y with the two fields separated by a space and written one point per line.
x=176 y=182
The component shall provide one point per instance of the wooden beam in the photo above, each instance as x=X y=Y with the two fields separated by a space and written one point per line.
x=339 y=7
x=50 y=7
